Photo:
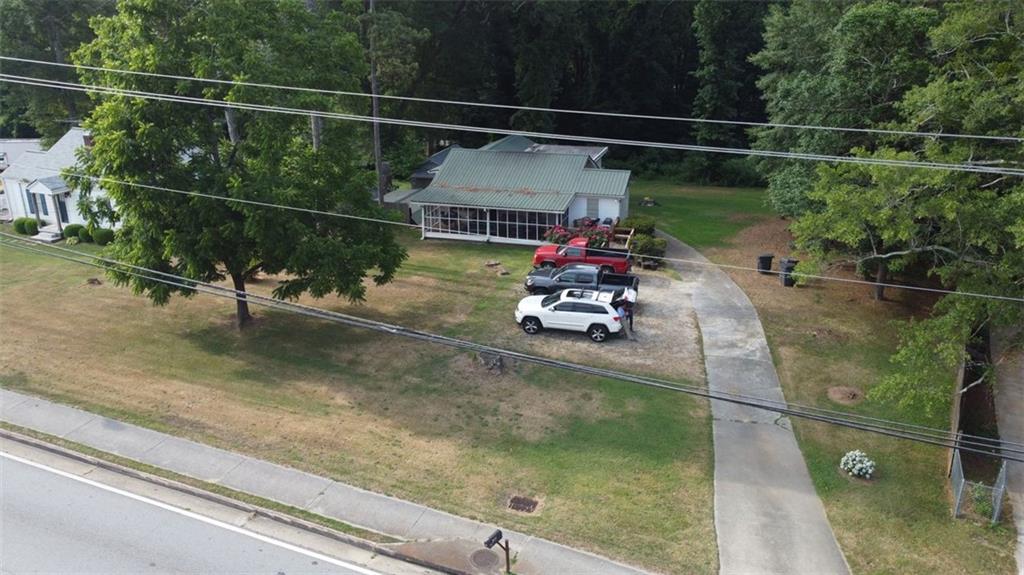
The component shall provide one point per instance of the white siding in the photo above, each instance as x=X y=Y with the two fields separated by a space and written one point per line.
x=481 y=239
x=14 y=190
x=16 y=198
x=73 y=216
x=608 y=208
x=577 y=209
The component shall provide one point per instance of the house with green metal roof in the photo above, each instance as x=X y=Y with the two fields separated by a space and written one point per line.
x=516 y=196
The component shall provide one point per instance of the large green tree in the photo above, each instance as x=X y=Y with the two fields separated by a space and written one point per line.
x=962 y=229
x=234 y=153
x=48 y=30
x=977 y=87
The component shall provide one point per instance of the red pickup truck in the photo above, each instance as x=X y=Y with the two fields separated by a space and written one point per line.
x=577 y=252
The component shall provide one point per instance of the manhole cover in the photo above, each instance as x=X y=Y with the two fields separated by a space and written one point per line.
x=522 y=504
x=484 y=559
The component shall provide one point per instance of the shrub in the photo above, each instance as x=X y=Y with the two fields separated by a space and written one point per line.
x=72 y=241
x=85 y=235
x=31 y=226
x=648 y=248
x=103 y=236
x=857 y=464
x=642 y=224
x=19 y=225
x=71 y=230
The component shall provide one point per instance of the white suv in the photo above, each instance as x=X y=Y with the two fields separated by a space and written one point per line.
x=574 y=310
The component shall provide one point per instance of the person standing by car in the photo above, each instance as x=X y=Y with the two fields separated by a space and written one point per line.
x=621 y=309
x=630 y=298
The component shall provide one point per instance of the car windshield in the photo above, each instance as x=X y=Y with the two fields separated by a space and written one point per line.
x=550 y=300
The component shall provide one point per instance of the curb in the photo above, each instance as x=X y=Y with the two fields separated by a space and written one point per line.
x=276 y=516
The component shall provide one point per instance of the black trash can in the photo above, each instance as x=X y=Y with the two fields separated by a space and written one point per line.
x=786 y=267
x=764 y=263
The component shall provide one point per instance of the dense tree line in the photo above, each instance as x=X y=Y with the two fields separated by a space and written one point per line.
x=645 y=57
x=955 y=67
x=665 y=58
x=918 y=65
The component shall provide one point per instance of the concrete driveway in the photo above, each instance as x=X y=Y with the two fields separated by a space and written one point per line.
x=768 y=517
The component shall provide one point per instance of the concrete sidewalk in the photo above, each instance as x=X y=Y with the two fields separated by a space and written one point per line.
x=325 y=497
x=768 y=517
x=1009 y=400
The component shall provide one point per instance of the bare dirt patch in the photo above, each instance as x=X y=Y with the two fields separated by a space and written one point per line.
x=845 y=395
x=666 y=342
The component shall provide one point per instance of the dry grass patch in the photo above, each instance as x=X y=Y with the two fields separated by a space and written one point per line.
x=622 y=471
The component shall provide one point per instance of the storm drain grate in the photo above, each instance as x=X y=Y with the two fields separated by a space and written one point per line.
x=522 y=504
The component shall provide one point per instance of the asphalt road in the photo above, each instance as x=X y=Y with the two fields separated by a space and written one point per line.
x=57 y=522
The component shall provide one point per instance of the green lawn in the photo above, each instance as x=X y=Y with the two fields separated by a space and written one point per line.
x=702 y=216
x=619 y=470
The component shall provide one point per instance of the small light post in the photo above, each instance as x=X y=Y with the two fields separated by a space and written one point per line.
x=495 y=539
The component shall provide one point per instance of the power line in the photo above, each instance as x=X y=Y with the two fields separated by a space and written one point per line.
x=886 y=424
x=245 y=295
x=599 y=250
x=102 y=179
x=519 y=108
x=866 y=160
x=990 y=447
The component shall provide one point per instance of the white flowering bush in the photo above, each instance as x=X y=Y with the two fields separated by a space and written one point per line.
x=857 y=464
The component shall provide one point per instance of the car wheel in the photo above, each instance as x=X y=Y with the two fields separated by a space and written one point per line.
x=597 y=332
x=547 y=265
x=531 y=325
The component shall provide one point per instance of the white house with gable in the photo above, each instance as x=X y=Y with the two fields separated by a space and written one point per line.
x=11 y=148
x=34 y=187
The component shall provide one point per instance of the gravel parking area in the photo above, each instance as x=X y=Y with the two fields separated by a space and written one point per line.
x=667 y=338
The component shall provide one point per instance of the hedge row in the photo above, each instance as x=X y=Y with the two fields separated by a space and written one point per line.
x=102 y=236
x=643 y=225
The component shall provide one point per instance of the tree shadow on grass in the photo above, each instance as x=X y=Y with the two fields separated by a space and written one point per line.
x=566 y=424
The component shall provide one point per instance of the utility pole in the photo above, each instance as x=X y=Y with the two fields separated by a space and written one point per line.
x=316 y=123
x=377 y=160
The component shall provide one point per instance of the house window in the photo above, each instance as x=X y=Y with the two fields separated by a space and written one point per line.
x=512 y=224
x=42 y=204
x=30 y=203
x=592 y=211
